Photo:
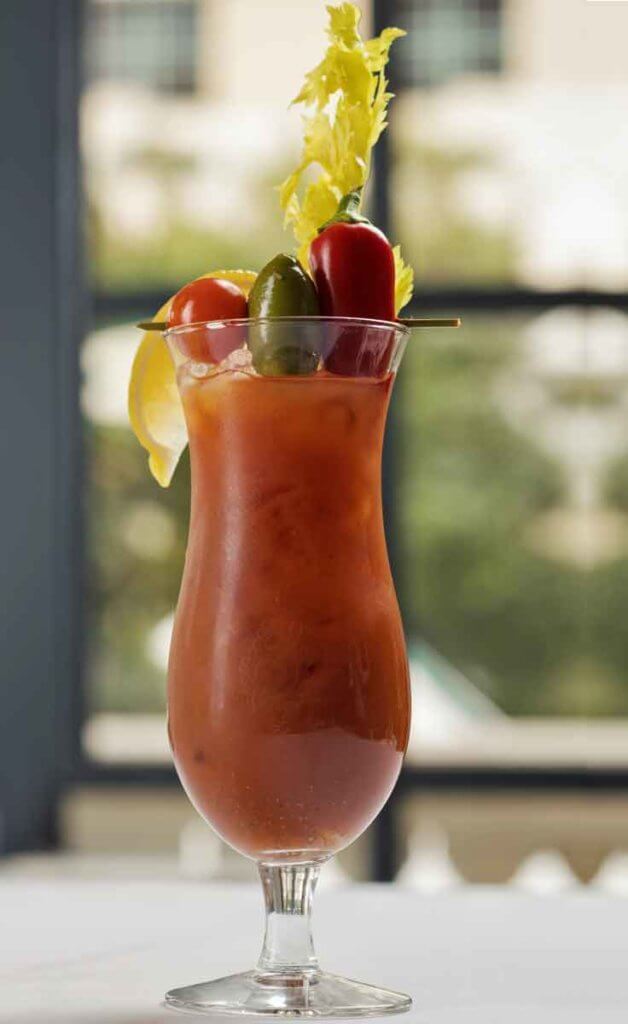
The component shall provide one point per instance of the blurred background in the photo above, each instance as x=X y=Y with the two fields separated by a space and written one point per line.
x=504 y=175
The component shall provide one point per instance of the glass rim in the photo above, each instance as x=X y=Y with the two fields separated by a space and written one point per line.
x=349 y=321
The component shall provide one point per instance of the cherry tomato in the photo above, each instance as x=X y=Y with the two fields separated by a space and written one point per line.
x=208 y=298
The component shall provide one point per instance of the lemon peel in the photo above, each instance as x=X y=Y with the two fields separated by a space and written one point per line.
x=154 y=405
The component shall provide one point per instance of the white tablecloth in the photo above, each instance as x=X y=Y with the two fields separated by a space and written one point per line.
x=84 y=952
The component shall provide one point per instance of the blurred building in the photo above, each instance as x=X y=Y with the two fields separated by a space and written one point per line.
x=187 y=105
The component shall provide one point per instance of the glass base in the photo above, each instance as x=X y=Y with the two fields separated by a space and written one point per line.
x=307 y=995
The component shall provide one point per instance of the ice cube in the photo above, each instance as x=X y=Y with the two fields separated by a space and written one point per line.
x=199 y=370
x=239 y=359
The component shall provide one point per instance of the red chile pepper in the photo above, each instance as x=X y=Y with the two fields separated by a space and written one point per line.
x=353 y=268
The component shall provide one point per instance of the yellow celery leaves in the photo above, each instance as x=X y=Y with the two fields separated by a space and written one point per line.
x=346 y=100
x=343 y=24
x=404 y=280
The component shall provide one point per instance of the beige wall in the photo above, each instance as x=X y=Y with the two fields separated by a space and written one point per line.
x=259 y=50
x=565 y=41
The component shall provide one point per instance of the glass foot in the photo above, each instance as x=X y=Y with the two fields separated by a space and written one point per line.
x=307 y=995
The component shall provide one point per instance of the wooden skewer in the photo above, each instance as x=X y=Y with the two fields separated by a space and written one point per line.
x=434 y=321
x=453 y=321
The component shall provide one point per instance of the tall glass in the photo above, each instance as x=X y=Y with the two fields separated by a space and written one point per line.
x=288 y=690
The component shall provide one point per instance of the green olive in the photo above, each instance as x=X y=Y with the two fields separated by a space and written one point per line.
x=282 y=289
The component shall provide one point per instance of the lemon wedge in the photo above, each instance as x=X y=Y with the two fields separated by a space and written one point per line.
x=155 y=409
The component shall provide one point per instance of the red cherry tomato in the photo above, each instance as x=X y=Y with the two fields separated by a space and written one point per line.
x=208 y=298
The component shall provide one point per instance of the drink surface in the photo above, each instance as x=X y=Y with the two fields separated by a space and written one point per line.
x=288 y=681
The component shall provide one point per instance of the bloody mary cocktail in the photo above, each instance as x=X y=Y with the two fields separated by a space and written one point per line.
x=288 y=687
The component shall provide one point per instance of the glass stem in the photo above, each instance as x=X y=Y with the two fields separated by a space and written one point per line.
x=288 y=948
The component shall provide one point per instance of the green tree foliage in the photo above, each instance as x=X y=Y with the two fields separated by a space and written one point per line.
x=131 y=586
x=510 y=619
x=441 y=238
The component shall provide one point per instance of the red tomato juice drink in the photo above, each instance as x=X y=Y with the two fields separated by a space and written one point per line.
x=288 y=692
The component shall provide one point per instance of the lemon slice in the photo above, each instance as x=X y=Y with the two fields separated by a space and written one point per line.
x=155 y=409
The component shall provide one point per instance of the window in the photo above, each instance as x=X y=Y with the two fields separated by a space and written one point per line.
x=447 y=38
x=490 y=498
x=508 y=439
x=151 y=42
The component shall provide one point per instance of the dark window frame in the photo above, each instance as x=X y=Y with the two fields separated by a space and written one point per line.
x=43 y=325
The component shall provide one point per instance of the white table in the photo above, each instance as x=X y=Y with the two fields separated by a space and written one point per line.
x=85 y=952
